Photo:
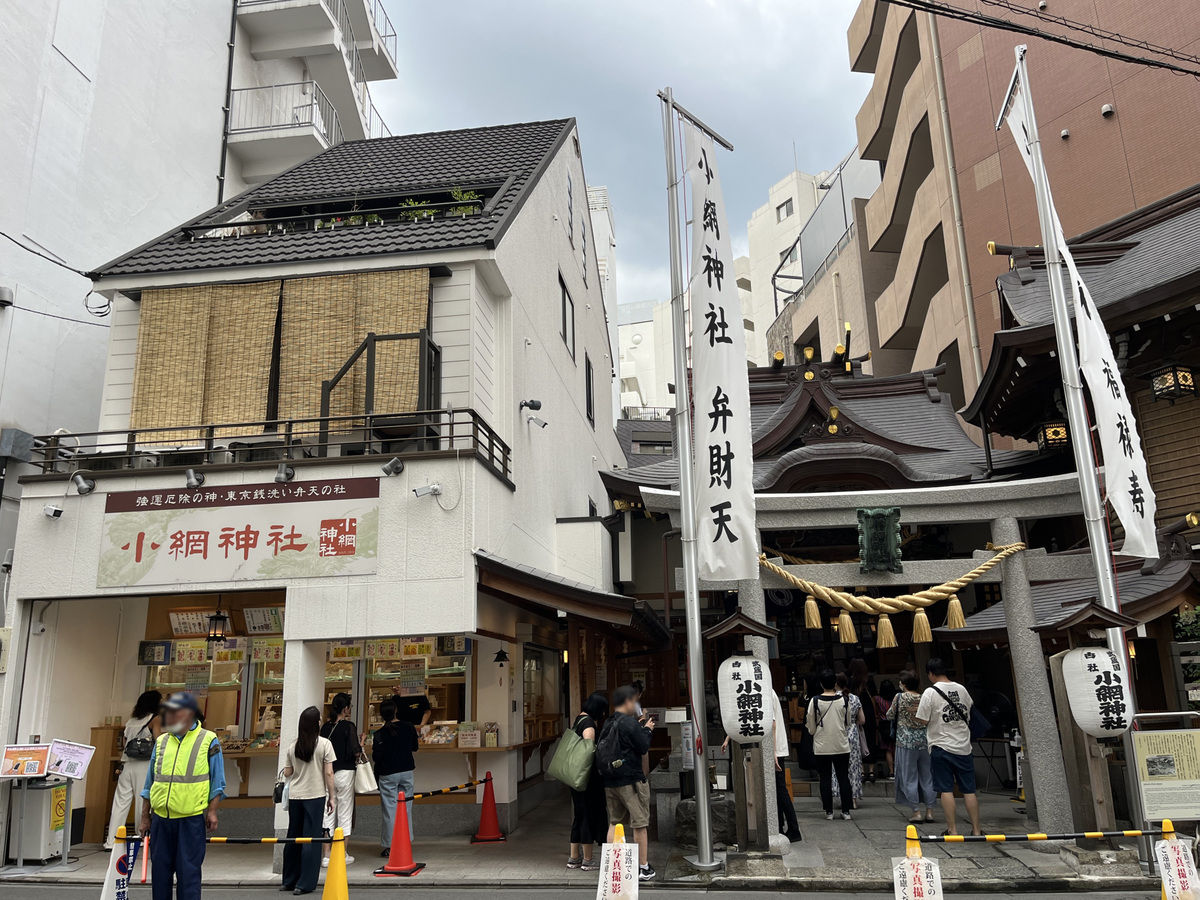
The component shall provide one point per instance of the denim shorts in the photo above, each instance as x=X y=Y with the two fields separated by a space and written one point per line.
x=947 y=768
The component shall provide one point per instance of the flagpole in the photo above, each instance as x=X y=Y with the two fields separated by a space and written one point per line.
x=687 y=502
x=1068 y=361
x=1081 y=443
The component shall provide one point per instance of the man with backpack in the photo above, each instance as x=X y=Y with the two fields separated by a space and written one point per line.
x=945 y=710
x=623 y=742
x=828 y=721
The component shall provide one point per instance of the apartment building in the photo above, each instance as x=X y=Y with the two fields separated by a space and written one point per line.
x=1116 y=137
x=774 y=268
x=604 y=240
x=123 y=118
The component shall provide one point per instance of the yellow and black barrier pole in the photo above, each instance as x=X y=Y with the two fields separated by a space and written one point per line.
x=1022 y=838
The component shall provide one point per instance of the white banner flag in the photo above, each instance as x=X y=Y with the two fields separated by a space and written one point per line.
x=1127 y=479
x=726 y=536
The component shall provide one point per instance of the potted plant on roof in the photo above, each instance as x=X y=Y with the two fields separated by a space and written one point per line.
x=415 y=209
x=465 y=197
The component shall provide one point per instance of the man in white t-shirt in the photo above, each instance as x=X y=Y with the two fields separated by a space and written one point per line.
x=945 y=710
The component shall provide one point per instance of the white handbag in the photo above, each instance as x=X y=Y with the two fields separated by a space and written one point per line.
x=364 y=779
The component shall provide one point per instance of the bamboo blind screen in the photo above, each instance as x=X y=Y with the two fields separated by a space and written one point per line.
x=1170 y=436
x=204 y=352
x=241 y=339
x=325 y=319
x=168 y=371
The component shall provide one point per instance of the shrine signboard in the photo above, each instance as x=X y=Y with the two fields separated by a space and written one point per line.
x=239 y=532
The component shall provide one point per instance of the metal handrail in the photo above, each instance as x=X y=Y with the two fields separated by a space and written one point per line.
x=300 y=104
x=384 y=27
x=314 y=440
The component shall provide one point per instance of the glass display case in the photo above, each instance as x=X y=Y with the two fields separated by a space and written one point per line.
x=268 y=699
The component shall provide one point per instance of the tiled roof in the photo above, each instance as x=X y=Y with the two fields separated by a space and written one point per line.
x=901 y=422
x=379 y=167
x=1054 y=601
x=1166 y=251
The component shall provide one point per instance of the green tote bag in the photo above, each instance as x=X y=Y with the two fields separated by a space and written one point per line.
x=572 y=763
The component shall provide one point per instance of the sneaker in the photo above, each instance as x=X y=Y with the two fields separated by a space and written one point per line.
x=590 y=865
x=829 y=816
x=349 y=859
x=646 y=872
x=845 y=816
x=573 y=862
x=387 y=852
x=325 y=862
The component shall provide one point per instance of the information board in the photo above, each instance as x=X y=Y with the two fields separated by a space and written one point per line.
x=69 y=759
x=24 y=760
x=1168 y=767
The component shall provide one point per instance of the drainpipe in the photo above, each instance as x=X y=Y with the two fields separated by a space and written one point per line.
x=667 y=535
x=227 y=109
x=956 y=200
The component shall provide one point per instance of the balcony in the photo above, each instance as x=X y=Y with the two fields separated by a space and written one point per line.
x=275 y=127
x=282 y=29
x=317 y=441
x=375 y=37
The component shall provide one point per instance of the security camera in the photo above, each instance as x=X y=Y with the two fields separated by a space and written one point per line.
x=8 y=559
x=54 y=512
x=535 y=405
x=534 y=420
x=37 y=628
x=1107 y=110
x=426 y=489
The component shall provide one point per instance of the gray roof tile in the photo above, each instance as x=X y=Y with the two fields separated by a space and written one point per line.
x=379 y=167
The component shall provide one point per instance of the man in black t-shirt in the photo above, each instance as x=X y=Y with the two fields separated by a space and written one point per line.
x=415 y=710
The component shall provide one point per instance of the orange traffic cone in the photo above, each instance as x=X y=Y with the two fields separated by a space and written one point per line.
x=489 y=824
x=400 y=863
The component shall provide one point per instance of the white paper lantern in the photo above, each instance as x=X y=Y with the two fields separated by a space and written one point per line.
x=1097 y=683
x=746 y=696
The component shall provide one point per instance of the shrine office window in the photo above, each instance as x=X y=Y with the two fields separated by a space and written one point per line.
x=589 y=387
x=567 y=328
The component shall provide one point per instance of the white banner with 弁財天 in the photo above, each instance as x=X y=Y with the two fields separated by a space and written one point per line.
x=240 y=532
x=726 y=535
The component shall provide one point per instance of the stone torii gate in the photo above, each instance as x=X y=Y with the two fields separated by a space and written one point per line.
x=1003 y=505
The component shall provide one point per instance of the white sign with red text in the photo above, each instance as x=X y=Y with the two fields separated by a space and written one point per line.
x=1178 y=870
x=240 y=532
x=916 y=878
x=618 y=872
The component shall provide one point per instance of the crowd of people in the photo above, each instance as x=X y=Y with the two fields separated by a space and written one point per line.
x=855 y=731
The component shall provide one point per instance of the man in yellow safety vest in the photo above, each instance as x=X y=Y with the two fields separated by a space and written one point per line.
x=185 y=783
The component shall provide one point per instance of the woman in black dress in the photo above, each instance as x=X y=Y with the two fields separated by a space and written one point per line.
x=590 y=823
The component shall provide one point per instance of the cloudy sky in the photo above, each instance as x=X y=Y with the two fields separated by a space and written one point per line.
x=768 y=75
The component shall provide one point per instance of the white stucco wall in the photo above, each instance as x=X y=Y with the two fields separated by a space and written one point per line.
x=768 y=238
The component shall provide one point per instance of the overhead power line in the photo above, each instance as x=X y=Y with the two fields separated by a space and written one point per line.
x=1096 y=31
x=949 y=11
x=45 y=256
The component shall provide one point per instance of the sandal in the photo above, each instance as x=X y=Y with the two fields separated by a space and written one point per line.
x=916 y=820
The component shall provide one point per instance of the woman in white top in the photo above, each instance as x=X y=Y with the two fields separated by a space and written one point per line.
x=311 y=792
x=140 y=733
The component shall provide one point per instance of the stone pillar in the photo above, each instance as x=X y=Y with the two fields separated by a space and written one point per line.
x=1039 y=728
x=303 y=686
x=754 y=604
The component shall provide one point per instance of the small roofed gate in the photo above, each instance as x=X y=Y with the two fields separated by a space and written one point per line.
x=243 y=353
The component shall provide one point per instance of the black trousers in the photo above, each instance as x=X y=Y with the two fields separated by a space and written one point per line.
x=302 y=862
x=827 y=767
x=787 y=812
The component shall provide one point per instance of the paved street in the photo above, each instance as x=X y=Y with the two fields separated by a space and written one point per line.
x=414 y=891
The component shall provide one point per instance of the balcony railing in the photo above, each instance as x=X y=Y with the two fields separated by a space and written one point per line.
x=648 y=413
x=375 y=125
x=299 y=105
x=383 y=25
x=316 y=441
